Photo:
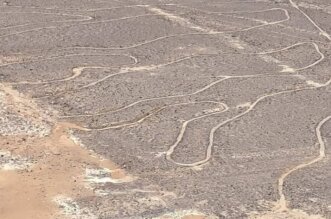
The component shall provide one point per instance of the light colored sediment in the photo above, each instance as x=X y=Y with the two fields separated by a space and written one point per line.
x=185 y=214
x=51 y=168
x=58 y=166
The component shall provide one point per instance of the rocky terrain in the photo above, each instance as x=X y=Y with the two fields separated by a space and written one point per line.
x=165 y=109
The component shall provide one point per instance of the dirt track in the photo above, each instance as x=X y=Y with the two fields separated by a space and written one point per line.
x=165 y=109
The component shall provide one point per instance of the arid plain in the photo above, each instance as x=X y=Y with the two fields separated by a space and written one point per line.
x=165 y=109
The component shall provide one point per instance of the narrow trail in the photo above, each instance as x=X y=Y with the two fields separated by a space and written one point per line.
x=153 y=67
x=233 y=14
x=280 y=208
x=208 y=152
x=282 y=203
x=147 y=100
x=204 y=88
x=40 y=59
x=76 y=72
x=322 y=32
x=184 y=22
x=175 y=18
x=316 y=47
x=72 y=25
x=59 y=161
x=224 y=77
x=83 y=18
x=141 y=119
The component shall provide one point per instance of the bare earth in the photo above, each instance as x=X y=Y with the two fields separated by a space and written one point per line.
x=165 y=109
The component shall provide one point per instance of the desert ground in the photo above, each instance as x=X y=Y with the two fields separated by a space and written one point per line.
x=165 y=109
